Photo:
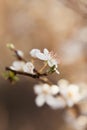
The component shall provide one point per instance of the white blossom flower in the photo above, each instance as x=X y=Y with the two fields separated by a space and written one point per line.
x=17 y=65
x=29 y=68
x=78 y=123
x=71 y=92
x=22 y=66
x=46 y=94
x=50 y=57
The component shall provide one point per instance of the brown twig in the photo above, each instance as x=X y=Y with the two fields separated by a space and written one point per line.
x=35 y=76
x=19 y=57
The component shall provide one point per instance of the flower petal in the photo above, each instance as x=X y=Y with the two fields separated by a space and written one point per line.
x=46 y=52
x=60 y=103
x=40 y=100
x=18 y=65
x=33 y=52
x=46 y=88
x=52 y=62
x=12 y=68
x=69 y=102
x=41 y=56
x=38 y=89
x=29 y=68
x=63 y=85
x=54 y=89
x=57 y=71
x=55 y=103
x=50 y=100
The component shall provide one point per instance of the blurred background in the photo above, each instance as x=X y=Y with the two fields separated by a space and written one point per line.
x=58 y=25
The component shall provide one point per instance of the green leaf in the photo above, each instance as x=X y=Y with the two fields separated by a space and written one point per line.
x=5 y=75
x=15 y=79
x=11 y=76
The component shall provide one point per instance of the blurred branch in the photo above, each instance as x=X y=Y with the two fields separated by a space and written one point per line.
x=35 y=76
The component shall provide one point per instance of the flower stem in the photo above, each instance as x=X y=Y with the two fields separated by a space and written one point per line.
x=44 y=66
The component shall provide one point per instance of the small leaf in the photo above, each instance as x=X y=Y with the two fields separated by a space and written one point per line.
x=16 y=78
x=5 y=75
x=11 y=76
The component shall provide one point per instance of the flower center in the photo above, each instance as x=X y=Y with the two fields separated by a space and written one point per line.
x=69 y=94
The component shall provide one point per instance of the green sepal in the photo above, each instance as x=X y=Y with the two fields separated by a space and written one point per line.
x=51 y=69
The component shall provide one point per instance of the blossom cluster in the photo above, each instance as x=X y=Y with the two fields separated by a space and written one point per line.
x=27 y=66
x=58 y=95
x=61 y=95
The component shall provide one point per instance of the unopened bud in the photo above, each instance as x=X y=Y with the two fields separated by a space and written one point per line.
x=10 y=46
x=20 y=53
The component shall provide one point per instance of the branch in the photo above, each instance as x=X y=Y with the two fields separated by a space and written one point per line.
x=35 y=76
